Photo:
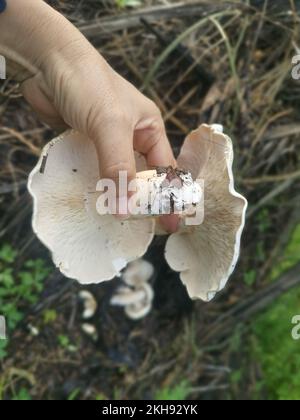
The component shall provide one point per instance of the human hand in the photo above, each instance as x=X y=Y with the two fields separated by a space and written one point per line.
x=72 y=85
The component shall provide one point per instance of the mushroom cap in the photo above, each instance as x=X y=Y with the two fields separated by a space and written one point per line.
x=206 y=255
x=140 y=309
x=90 y=330
x=127 y=296
x=85 y=246
x=136 y=295
x=137 y=302
x=137 y=272
x=89 y=303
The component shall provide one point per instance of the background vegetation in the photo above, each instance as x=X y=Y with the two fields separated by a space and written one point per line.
x=201 y=61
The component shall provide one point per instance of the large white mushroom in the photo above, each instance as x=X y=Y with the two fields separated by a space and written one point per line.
x=85 y=246
x=206 y=254
x=93 y=247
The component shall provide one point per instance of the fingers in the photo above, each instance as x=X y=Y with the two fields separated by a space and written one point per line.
x=113 y=143
x=150 y=137
x=151 y=140
x=170 y=222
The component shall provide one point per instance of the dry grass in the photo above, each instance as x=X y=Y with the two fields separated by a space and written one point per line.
x=233 y=67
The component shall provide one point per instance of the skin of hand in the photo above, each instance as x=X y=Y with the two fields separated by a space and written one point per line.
x=72 y=85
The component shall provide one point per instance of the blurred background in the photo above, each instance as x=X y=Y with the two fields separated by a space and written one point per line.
x=228 y=62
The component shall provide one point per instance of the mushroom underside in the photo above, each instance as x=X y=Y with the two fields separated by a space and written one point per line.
x=85 y=246
x=205 y=255
x=92 y=248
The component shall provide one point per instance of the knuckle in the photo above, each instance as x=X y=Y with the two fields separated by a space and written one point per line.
x=154 y=109
x=60 y=85
x=93 y=119
x=101 y=120
x=113 y=170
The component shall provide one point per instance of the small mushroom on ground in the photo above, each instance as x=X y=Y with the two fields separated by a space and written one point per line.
x=139 y=271
x=93 y=247
x=136 y=295
x=89 y=304
x=34 y=331
x=90 y=330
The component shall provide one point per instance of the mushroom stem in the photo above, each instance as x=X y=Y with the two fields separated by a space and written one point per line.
x=162 y=193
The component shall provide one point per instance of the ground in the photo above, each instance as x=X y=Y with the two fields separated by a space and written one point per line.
x=213 y=62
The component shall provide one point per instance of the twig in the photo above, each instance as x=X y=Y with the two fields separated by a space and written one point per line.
x=25 y=133
x=269 y=197
x=22 y=139
x=153 y=14
x=187 y=58
x=159 y=101
x=271 y=178
x=283 y=131
x=231 y=56
x=9 y=188
x=165 y=54
x=208 y=388
x=181 y=103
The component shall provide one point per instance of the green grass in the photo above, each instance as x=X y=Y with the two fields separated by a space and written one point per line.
x=65 y=342
x=178 y=392
x=291 y=256
x=277 y=352
x=273 y=346
x=18 y=288
x=122 y=4
x=22 y=395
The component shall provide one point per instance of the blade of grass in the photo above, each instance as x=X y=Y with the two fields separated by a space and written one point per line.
x=231 y=56
x=165 y=54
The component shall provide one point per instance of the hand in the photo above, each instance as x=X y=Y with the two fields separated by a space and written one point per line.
x=72 y=85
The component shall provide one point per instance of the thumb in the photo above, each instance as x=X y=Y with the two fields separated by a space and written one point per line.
x=114 y=148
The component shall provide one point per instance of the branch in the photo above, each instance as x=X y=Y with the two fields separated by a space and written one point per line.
x=152 y=14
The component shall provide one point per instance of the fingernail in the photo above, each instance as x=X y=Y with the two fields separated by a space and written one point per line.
x=170 y=222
